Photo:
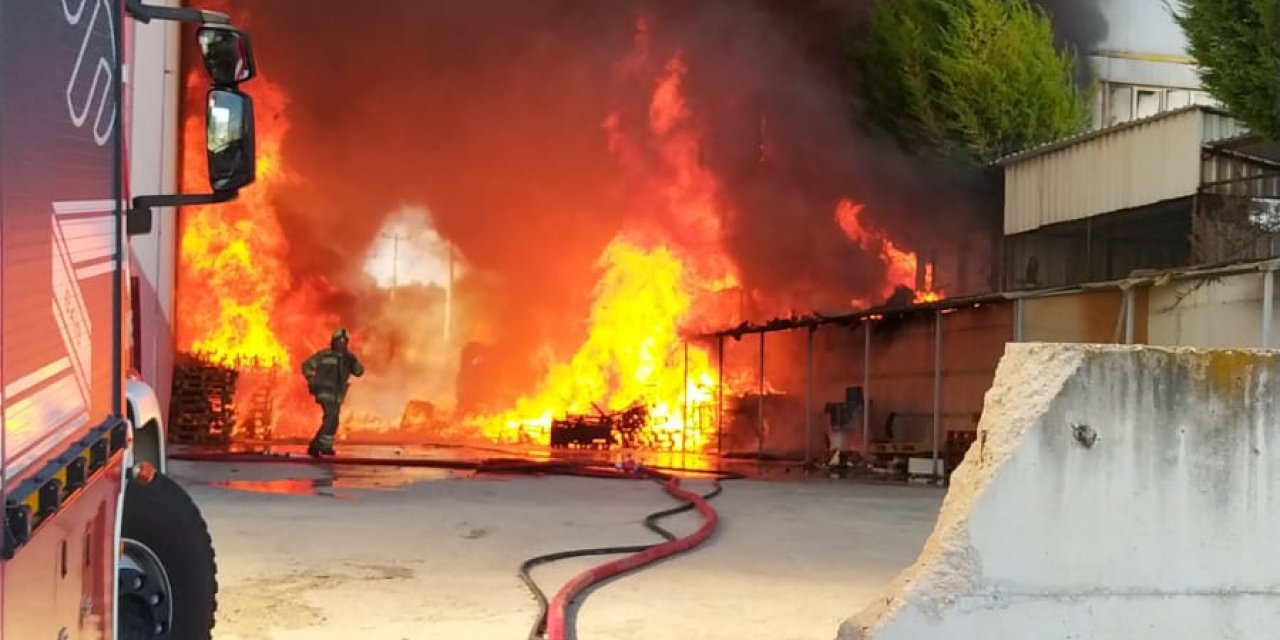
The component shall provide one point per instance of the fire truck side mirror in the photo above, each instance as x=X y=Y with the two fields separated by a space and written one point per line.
x=228 y=56
x=229 y=137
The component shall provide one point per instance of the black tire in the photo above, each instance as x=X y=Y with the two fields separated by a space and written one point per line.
x=160 y=517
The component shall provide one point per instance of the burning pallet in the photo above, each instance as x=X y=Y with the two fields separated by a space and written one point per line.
x=603 y=430
x=203 y=408
x=257 y=383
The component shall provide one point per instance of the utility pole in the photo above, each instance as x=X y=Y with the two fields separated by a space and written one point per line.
x=395 y=259
x=448 y=299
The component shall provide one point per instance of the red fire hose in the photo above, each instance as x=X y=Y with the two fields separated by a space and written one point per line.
x=560 y=603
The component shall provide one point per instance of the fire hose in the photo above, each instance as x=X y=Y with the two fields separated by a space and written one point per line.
x=552 y=621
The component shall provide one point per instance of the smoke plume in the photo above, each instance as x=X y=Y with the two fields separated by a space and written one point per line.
x=1079 y=23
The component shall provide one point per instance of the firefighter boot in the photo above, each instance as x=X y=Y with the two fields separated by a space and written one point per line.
x=321 y=445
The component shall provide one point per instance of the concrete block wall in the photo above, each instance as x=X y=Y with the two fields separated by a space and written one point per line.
x=1114 y=492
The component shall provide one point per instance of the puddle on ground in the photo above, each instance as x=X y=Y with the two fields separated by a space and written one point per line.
x=286 y=486
x=348 y=477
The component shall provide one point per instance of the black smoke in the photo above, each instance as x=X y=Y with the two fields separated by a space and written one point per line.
x=1079 y=23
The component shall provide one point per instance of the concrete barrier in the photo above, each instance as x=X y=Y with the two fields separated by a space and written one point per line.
x=1125 y=493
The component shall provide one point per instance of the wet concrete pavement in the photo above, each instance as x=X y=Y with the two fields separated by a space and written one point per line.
x=319 y=551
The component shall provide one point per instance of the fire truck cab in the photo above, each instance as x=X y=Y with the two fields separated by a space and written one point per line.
x=98 y=542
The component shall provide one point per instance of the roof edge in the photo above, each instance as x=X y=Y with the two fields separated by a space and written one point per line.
x=1093 y=134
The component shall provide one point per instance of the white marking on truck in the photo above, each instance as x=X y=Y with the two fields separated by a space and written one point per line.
x=27 y=382
x=41 y=420
x=70 y=207
x=103 y=76
x=72 y=314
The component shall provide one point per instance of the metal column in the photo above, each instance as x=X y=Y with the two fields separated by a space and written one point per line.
x=937 y=388
x=684 y=419
x=719 y=396
x=1019 y=319
x=1268 y=305
x=760 y=423
x=808 y=399
x=1129 y=313
x=866 y=389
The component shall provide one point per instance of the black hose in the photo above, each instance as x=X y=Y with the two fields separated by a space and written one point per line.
x=538 y=631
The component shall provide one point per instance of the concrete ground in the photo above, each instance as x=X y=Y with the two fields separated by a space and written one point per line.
x=310 y=552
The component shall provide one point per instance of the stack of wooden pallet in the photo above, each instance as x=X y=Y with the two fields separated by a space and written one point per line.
x=202 y=410
x=258 y=382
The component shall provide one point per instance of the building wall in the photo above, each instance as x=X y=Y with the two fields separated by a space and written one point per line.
x=1225 y=312
x=1137 y=165
x=1141 y=64
x=1221 y=313
x=902 y=374
x=1094 y=317
x=974 y=339
x=153 y=170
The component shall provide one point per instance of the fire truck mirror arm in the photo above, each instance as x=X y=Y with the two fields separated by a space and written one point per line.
x=145 y=13
x=229 y=138
x=139 y=216
x=227 y=52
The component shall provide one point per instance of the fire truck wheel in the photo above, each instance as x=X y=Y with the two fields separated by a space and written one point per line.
x=168 y=578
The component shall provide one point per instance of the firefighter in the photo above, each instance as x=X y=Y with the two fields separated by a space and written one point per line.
x=327 y=373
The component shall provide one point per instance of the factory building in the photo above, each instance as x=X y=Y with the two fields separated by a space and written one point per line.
x=1162 y=231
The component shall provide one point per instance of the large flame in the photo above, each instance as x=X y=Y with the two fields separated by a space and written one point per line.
x=238 y=305
x=900 y=265
x=231 y=274
x=659 y=276
x=632 y=354
x=656 y=279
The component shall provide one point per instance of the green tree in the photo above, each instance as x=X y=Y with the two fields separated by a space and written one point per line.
x=1237 y=45
x=976 y=79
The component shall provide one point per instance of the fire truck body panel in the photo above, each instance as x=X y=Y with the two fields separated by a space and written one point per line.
x=64 y=578
x=155 y=77
x=61 y=232
x=86 y=530
x=60 y=350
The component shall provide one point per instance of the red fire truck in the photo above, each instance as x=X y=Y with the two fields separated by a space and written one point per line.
x=98 y=542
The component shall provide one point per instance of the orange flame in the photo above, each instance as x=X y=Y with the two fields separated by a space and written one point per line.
x=237 y=302
x=663 y=274
x=231 y=271
x=632 y=354
x=900 y=265
x=648 y=290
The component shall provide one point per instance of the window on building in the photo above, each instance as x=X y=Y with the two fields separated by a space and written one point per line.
x=1147 y=103
x=1119 y=105
x=1203 y=98
x=1178 y=98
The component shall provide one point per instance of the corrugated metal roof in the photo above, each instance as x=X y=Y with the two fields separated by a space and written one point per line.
x=1145 y=277
x=1143 y=162
x=1098 y=133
